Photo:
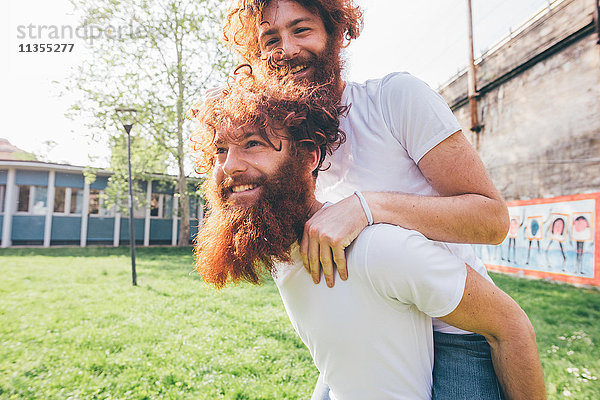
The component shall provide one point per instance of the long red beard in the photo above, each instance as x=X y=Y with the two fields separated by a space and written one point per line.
x=242 y=243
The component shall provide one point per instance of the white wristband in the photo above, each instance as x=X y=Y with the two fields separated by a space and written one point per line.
x=365 y=207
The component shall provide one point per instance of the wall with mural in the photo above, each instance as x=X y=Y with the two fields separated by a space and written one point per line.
x=550 y=238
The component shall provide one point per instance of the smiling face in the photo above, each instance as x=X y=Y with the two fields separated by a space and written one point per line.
x=259 y=196
x=342 y=20
x=243 y=166
x=263 y=142
x=296 y=38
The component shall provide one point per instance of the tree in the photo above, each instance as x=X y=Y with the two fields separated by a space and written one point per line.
x=145 y=156
x=157 y=56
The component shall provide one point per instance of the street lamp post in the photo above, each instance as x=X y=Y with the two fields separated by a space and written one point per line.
x=127 y=118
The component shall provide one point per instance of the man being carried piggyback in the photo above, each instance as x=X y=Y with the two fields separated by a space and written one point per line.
x=371 y=335
x=404 y=154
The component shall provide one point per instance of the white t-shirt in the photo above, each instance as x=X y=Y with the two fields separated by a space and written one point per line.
x=392 y=123
x=370 y=336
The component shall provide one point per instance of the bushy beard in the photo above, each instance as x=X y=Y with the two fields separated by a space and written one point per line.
x=327 y=67
x=240 y=243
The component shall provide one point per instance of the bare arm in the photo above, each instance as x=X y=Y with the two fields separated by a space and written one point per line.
x=487 y=310
x=468 y=210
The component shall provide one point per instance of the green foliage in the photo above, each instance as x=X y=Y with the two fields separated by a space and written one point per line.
x=168 y=51
x=146 y=157
x=90 y=174
x=24 y=156
x=158 y=57
x=72 y=326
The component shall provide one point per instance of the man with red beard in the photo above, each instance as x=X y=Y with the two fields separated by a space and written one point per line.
x=373 y=339
x=259 y=214
x=405 y=153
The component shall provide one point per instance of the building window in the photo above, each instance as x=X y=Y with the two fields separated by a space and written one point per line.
x=94 y=208
x=167 y=209
x=32 y=199
x=161 y=205
x=155 y=205
x=194 y=204
x=2 y=194
x=96 y=204
x=40 y=196
x=59 y=199
x=68 y=200
x=76 y=197
x=139 y=211
x=23 y=201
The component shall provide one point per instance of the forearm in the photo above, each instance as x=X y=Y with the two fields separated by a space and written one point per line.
x=518 y=368
x=487 y=310
x=466 y=218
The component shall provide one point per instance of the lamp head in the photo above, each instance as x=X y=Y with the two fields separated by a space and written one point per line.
x=127 y=117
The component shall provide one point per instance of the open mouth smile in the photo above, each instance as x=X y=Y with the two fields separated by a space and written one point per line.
x=242 y=194
x=243 y=188
x=299 y=68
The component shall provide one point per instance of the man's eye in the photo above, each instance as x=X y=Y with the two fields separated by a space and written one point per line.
x=300 y=30
x=270 y=42
x=221 y=150
x=253 y=143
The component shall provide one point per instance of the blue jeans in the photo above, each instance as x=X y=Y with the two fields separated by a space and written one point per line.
x=462 y=370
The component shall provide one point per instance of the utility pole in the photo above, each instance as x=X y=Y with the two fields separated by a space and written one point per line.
x=472 y=93
x=597 y=19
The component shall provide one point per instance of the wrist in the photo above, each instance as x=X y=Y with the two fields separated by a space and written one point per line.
x=390 y=207
x=372 y=200
x=365 y=207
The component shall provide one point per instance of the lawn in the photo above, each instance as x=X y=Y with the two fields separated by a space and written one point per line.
x=73 y=327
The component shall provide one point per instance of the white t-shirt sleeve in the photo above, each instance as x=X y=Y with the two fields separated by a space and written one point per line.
x=417 y=116
x=406 y=266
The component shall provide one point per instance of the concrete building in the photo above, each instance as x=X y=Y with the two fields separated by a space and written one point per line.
x=50 y=204
x=539 y=104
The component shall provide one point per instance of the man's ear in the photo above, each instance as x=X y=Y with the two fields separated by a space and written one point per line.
x=313 y=157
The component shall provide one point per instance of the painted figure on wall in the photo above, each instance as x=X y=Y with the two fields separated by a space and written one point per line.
x=557 y=234
x=513 y=233
x=581 y=232
x=563 y=232
x=533 y=232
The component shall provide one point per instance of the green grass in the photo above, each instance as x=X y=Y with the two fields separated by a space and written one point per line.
x=72 y=326
x=567 y=325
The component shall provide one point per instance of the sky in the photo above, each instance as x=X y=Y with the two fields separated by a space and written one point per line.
x=427 y=38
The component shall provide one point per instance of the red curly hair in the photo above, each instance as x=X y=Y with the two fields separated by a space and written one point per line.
x=309 y=115
x=342 y=20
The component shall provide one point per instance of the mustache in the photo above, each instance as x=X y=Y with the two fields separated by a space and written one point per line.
x=230 y=182
x=225 y=187
x=242 y=243
x=278 y=60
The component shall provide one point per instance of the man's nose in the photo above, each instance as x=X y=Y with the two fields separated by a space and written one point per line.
x=234 y=163
x=290 y=48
